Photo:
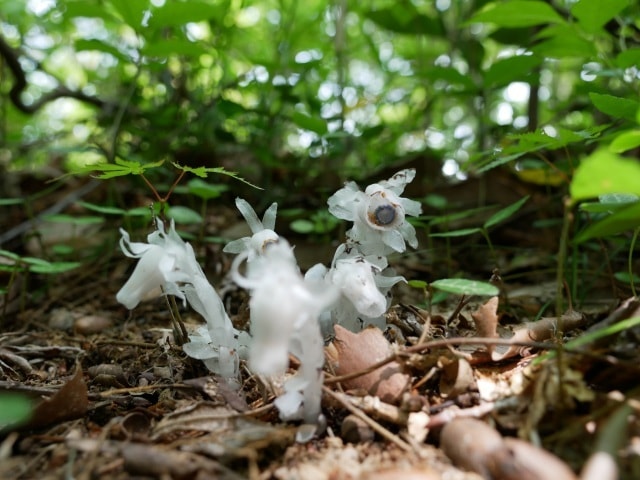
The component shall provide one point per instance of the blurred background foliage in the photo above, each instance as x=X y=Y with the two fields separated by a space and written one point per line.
x=299 y=96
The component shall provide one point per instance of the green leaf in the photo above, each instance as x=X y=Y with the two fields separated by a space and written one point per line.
x=463 y=286
x=517 y=13
x=203 y=172
x=14 y=409
x=457 y=233
x=605 y=172
x=173 y=14
x=82 y=8
x=417 y=284
x=625 y=141
x=72 y=219
x=450 y=75
x=184 y=215
x=592 y=15
x=174 y=46
x=623 y=220
x=563 y=41
x=308 y=122
x=5 y=202
x=616 y=107
x=100 y=46
x=204 y=190
x=101 y=208
x=39 y=265
x=302 y=226
x=505 y=213
x=628 y=58
x=503 y=72
x=131 y=11
x=403 y=17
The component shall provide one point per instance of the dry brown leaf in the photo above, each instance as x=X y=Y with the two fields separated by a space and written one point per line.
x=486 y=320
x=539 y=331
x=457 y=377
x=68 y=403
x=352 y=352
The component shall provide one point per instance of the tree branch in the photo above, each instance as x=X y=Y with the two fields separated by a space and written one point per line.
x=11 y=57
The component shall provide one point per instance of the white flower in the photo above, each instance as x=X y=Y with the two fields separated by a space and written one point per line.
x=158 y=268
x=363 y=288
x=168 y=264
x=378 y=214
x=263 y=233
x=284 y=319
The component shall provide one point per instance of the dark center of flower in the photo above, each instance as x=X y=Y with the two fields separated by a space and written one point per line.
x=384 y=215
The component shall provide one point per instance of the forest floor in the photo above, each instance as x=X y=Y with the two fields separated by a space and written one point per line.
x=456 y=393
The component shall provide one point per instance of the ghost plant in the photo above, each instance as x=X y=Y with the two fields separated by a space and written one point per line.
x=262 y=232
x=359 y=268
x=378 y=214
x=284 y=319
x=167 y=265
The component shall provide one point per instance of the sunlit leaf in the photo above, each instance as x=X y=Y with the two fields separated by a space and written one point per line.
x=605 y=172
x=592 y=15
x=517 y=13
x=131 y=11
x=616 y=107
x=623 y=220
x=516 y=68
x=308 y=122
x=625 y=141
x=181 y=13
x=463 y=286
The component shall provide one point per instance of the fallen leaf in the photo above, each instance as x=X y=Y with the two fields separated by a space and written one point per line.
x=353 y=352
x=68 y=403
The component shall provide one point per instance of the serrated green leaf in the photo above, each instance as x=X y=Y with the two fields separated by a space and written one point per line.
x=605 y=172
x=517 y=13
x=592 y=15
x=623 y=220
x=505 y=213
x=203 y=172
x=625 y=141
x=463 y=286
x=309 y=122
x=616 y=107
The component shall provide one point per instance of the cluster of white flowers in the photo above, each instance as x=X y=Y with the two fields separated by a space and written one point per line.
x=167 y=265
x=289 y=312
x=359 y=268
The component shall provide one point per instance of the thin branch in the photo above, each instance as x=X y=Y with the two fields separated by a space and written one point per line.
x=11 y=57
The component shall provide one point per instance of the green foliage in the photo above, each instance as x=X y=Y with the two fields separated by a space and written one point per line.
x=461 y=286
x=14 y=410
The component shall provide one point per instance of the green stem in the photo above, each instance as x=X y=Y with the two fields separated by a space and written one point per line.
x=630 y=261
